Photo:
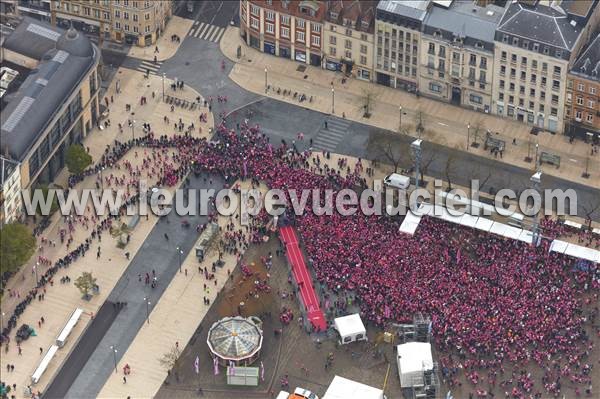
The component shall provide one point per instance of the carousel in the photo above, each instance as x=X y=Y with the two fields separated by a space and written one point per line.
x=235 y=339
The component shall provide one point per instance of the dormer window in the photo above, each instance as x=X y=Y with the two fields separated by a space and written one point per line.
x=307 y=11
x=365 y=25
x=285 y=3
x=333 y=15
x=479 y=45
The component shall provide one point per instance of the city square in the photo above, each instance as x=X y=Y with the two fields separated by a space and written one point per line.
x=298 y=305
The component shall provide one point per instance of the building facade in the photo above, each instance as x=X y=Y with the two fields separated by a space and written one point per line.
x=10 y=194
x=284 y=28
x=457 y=54
x=348 y=45
x=398 y=26
x=130 y=21
x=55 y=103
x=582 y=105
x=534 y=47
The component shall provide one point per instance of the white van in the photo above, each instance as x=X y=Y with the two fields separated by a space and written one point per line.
x=283 y=395
x=398 y=181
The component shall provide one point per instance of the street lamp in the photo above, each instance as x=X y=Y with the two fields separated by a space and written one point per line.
x=132 y=127
x=101 y=178
x=332 y=100
x=400 y=120
x=163 y=86
x=265 y=80
x=147 y=310
x=468 y=134
x=537 y=165
x=2 y=321
x=37 y=264
x=113 y=349
x=179 y=253
x=416 y=148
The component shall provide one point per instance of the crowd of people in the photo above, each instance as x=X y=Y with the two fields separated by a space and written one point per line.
x=492 y=301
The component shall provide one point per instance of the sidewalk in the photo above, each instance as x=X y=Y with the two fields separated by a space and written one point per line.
x=175 y=318
x=62 y=299
x=444 y=124
x=167 y=48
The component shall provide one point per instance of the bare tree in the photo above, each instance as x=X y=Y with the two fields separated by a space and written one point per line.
x=482 y=175
x=367 y=102
x=420 y=120
x=591 y=210
x=449 y=170
x=169 y=360
x=389 y=149
x=426 y=161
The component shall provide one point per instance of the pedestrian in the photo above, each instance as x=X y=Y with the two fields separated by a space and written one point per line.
x=325 y=126
x=124 y=380
x=20 y=350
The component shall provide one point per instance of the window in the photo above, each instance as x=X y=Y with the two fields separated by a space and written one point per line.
x=554 y=99
x=592 y=90
x=533 y=78
x=86 y=10
x=135 y=29
x=126 y=28
x=315 y=40
x=332 y=51
x=553 y=111
x=524 y=62
x=483 y=63
x=523 y=76
x=435 y=88
x=579 y=100
x=513 y=73
x=513 y=58
x=580 y=87
x=125 y=15
x=117 y=25
x=590 y=117
x=557 y=70
x=442 y=52
x=430 y=64
x=363 y=60
x=542 y=108
x=431 y=48
x=475 y=99
x=521 y=102
x=348 y=55
x=473 y=60
x=254 y=10
x=502 y=70
x=147 y=16
x=455 y=57
x=316 y=28
x=349 y=32
x=270 y=15
x=135 y=17
x=285 y=19
x=531 y=105
x=332 y=40
x=536 y=47
x=522 y=90
x=147 y=29
x=531 y=92
x=364 y=38
x=285 y=32
x=254 y=23
x=300 y=23
x=578 y=115
x=504 y=56
x=502 y=84
x=455 y=70
x=348 y=44
x=300 y=37
x=511 y=87
x=363 y=50
x=269 y=28
x=533 y=64
x=501 y=96
x=590 y=104
x=569 y=98
x=117 y=14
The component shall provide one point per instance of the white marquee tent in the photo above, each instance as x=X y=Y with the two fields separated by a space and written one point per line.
x=350 y=328
x=343 y=388
x=413 y=359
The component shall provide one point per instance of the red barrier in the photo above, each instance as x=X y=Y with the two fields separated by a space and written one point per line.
x=302 y=276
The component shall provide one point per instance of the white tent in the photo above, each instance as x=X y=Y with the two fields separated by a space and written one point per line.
x=413 y=359
x=343 y=388
x=350 y=328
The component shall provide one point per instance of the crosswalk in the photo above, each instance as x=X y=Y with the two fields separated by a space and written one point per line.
x=149 y=66
x=329 y=137
x=204 y=31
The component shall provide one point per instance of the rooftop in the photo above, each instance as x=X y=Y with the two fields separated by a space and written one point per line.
x=555 y=26
x=587 y=64
x=466 y=20
x=64 y=59
x=361 y=14
x=416 y=9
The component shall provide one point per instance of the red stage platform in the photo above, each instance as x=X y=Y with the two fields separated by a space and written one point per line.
x=302 y=276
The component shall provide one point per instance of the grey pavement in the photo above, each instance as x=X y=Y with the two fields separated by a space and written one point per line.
x=156 y=254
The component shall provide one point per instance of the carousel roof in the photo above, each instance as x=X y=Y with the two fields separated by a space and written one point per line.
x=234 y=338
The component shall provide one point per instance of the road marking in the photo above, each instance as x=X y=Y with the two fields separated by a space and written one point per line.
x=215 y=15
x=573 y=160
x=443 y=124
